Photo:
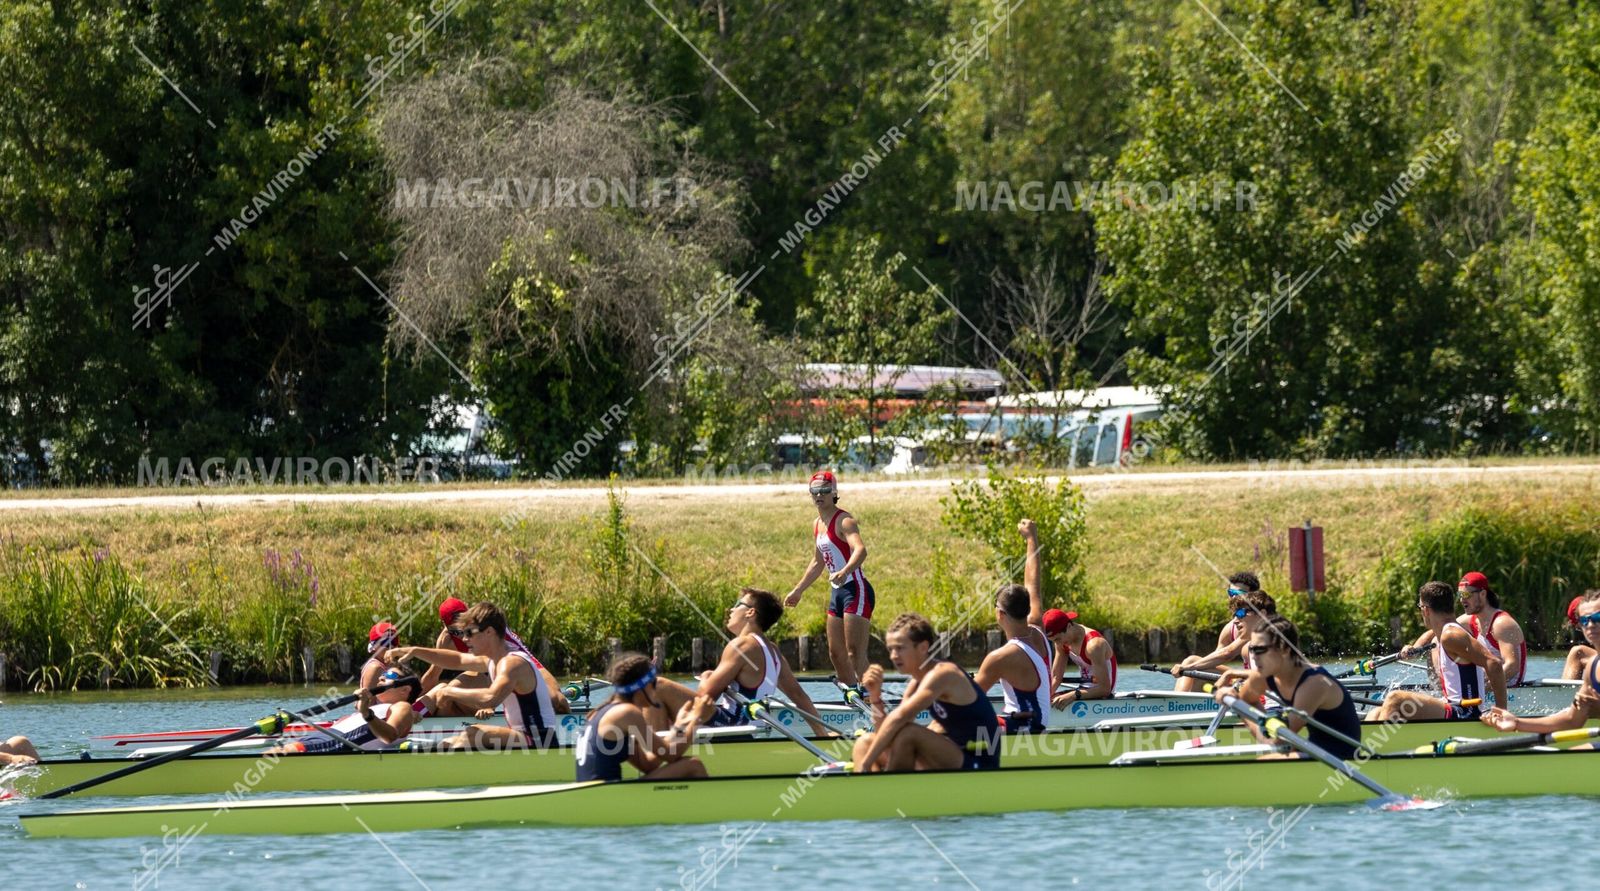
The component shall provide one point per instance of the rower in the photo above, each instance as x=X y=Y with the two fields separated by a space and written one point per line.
x=1585 y=706
x=18 y=751
x=380 y=640
x=837 y=547
x=378 y=722
x=1080 y=645
x=1486 y=620
x=1022 y=664
x=514 y=682
x=619 y=731
x=450 y=612
x=1464 y=664
x=1249 y=613
x=965 y=734
x=1231 y=638
x=1579 y=657
x=751 y=664
x=1281 y=669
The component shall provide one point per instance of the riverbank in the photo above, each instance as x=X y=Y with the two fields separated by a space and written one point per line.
x=258 y=583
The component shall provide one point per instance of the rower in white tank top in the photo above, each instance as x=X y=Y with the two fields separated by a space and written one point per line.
x=1460 y=681
x=532 y=713
x=1035 y=701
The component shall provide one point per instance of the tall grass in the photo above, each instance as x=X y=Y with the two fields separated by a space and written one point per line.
x=80 y=620
x=1536 y=560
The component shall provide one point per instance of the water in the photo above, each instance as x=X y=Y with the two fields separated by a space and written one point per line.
x=1464 y=844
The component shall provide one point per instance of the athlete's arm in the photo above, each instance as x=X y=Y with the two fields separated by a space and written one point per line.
x=1059 y=660
x=513 y=672
x=790 y=687
x=1247 y=685
x=430 y=678
x=918 y=697
x=1100 y=658
x=370 y=673
x=1424 y=640
x=1219 y=656
x=1030 y=573
x=1225 y=638
x=813 y=570
x=558 y=697
x=733 y=660
x=1508 y=634
x=993 y=667
x=440 y=657
x=872 y=683
x=858 y=550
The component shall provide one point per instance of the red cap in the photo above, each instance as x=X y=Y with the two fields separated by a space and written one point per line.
x=451 y=608
x=382 y=634
x=1056 y=621
x=1572 y=611
x=1474 y=580
x=824 y=481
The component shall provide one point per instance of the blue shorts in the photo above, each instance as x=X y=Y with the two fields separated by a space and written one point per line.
x=847 y=600
x=1463 y=712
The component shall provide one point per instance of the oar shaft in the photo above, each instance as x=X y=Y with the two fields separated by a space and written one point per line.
x=759 y=712
x=1281 y=732
x=1522 y=741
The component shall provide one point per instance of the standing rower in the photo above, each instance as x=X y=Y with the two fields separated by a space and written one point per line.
x=513 y=682
x=1464 y=664
x=838 y=549
x=1022 y=664
x=1281 y=669
x=751 y=664
x=1585 y=706
x=1231 y=639
x=618 y=731
x=1080 y=645
x=965 y=733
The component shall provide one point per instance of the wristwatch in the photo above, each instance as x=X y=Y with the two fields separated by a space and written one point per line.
x=367 y=715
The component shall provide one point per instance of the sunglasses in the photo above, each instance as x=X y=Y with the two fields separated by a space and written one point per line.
x=1590 y=619
x=739 y=604
x=1257 y=651
x=465 y=633
x=1240 y=613
x=1236 y=592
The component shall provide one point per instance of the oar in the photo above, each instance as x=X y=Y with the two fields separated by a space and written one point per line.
x=1213 y=677
x=1371 y=666
x=758 y=711
x=1277 y=729
x=1504 y=743
x=1209 y=737
x=267 y=726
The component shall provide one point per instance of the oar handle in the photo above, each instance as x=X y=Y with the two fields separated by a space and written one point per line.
x=1505 y=743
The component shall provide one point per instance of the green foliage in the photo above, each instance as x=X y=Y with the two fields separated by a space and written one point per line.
x=988 y=512
x=1537 y=561
x=71 y=621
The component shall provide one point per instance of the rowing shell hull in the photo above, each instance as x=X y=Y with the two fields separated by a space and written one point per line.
x=251 y=774
x=869 y=797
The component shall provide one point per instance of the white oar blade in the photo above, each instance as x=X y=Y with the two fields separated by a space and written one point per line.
x=1401 y=803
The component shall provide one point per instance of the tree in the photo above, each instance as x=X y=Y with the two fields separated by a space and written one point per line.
x=866 y=319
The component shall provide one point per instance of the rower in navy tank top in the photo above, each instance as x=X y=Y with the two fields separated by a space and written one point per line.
x=1342 y=717
x=619 y=731
x=974 y=727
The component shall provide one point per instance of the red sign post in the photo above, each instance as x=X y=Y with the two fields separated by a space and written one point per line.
x=1306 y=567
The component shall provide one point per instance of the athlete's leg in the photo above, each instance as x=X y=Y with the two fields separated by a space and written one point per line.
x=918 y=748
x=839 y=652
x=493 y=736
x=674 y=696
x=857 y=633
x=19 y=747
x=1406 y=705
x=683 y=768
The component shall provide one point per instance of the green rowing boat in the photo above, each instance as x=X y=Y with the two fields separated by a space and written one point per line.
x=788 y=797
x=374 y=771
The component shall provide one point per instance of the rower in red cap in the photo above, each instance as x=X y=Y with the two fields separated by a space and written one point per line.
x=450 y=612
x=1085 y=647
x=837 y=547
x=1482 y=616
x=1579 y=656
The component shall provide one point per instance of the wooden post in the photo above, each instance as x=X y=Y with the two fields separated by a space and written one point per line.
x=105 y=677
x=697 y=654
x=1152 y=645
x=658 y=652
x=2 y=671
x=804 y=660
x=1394 y=633
x=308 y=661
x=613 y=648
x=341 y=655
x=542 y=651
x=216 y=667
x=992 y=639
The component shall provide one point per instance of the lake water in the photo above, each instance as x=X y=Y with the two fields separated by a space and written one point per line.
x=1535 y=843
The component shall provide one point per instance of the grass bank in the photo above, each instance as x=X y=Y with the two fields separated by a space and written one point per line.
x=260 y=583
